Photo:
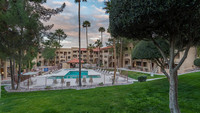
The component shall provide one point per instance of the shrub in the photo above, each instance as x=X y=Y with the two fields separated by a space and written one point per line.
x=101 y=84
x=129 y=67
x=197 y=62
x=142 y=78
x=48 y=87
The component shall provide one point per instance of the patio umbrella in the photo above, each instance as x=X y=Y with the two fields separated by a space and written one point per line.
x=29 y=74
x=59 y=75
x=91 y=80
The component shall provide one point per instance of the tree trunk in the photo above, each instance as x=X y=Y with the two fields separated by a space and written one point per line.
x=79 y=20
x=14 y=70
x=19 y=73
x=115 y=67
x=58 y=52
x=142 y=65
x=121 y=53
x=99 y=57
x=102 y=37
x=12 y=74
x=87 y=45
x=87 y=36
x=173 y=93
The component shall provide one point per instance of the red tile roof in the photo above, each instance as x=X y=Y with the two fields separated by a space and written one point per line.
x=75 y=61
x=108 y=47
x=83 y=49
x=96 y=49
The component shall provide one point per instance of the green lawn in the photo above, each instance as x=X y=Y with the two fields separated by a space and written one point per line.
x=146 y=97
x=135 y=75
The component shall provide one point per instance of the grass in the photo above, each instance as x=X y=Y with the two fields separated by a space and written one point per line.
x=135 y=75
x=146 y=97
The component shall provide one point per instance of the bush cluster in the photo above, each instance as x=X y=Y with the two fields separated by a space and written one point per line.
x=197 y=62
x=142 y=78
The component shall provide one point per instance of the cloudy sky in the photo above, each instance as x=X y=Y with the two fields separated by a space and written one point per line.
x=68 y=20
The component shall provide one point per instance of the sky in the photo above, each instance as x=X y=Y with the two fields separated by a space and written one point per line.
x=92 y=10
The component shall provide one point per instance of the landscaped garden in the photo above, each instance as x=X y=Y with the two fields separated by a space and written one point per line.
x=151 y=97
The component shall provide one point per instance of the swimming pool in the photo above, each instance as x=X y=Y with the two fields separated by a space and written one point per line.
x=75 y=74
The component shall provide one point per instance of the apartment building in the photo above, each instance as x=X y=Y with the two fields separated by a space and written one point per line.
x=149 y=66
x=107 y=59
x=64 y=55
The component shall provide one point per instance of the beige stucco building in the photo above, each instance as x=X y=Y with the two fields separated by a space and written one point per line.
x=64 y=55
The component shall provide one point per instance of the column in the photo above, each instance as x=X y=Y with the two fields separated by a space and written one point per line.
x=5 y=69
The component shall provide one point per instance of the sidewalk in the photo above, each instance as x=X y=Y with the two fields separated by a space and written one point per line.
x=6 y=81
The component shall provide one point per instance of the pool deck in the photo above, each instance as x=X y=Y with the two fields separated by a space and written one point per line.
x=63 y=72
x=43 y=82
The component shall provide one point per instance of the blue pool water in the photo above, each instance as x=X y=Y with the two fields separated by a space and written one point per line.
x=75 y=74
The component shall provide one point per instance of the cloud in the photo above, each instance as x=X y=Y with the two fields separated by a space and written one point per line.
x=68 y=21
x=100 y=0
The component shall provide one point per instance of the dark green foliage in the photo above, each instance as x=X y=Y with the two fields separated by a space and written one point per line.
x=102 y=29
x=140 y=19
x=108 y=6
x=98 y=43
x=197 y=62
x=147 y=50
x=86 y=24
x=146 y=97
x=49 y=53
x=142 y=78
x=80 y=1
x=38 y=64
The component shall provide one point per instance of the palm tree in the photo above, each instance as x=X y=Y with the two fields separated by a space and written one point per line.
x=85 y=25
x=98 y=44
x=102 y=29
x=79 y=36
x=60 y=35
x=107 y=8
x=90 y=48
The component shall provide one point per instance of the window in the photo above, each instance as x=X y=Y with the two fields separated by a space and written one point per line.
x=138 y=63
x=69 y=57
x=126 y=62
x=145 y=64
x=126 y=55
